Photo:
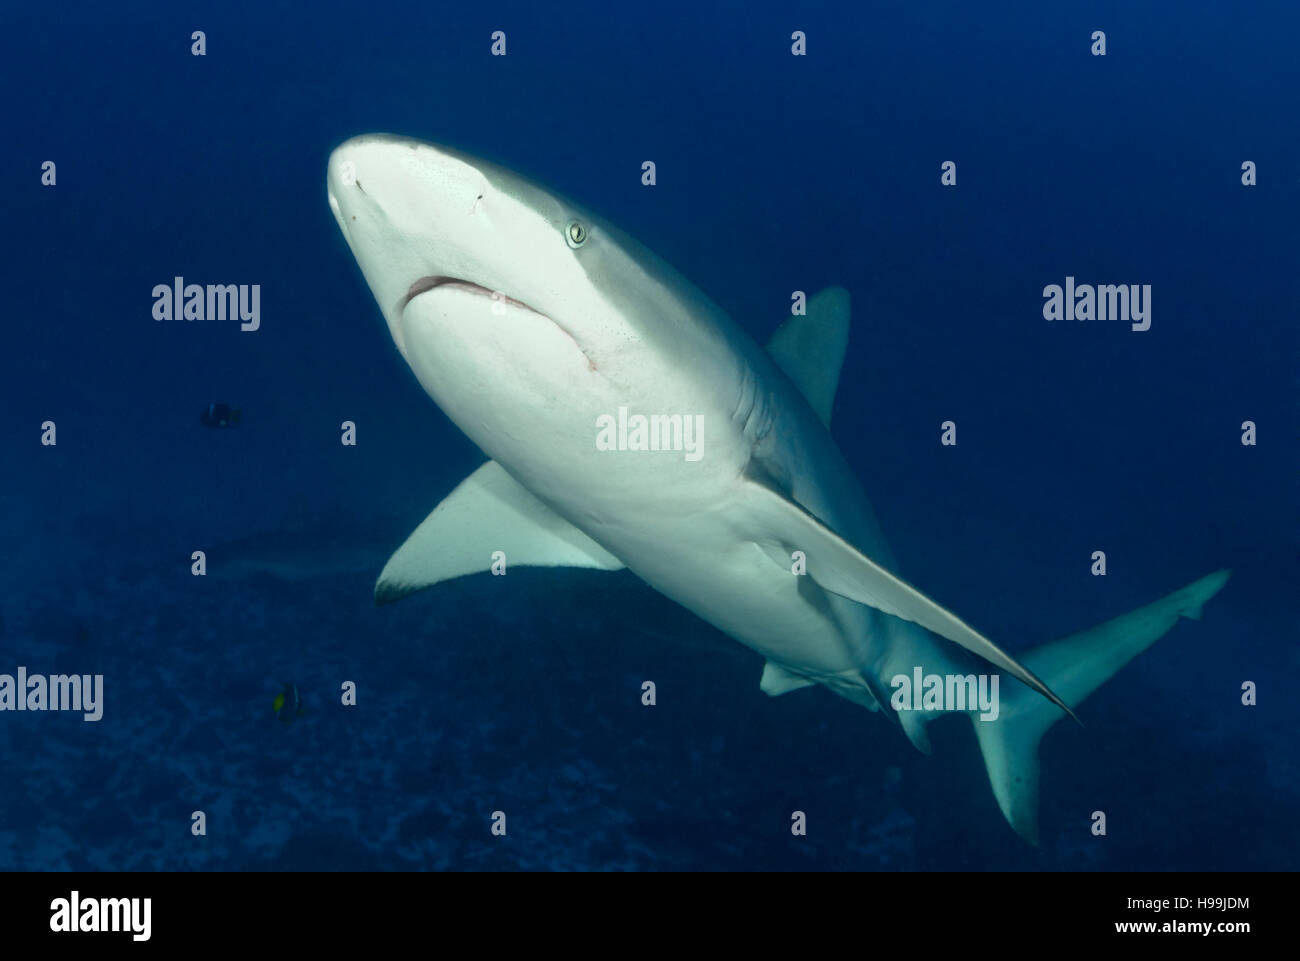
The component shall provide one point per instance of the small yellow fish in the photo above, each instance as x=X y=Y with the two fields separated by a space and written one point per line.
x=287 y=704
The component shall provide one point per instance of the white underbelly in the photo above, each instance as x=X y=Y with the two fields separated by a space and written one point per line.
x=739 y=589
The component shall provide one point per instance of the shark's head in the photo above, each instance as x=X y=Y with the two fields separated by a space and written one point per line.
x=424 y=220
x=504 y=297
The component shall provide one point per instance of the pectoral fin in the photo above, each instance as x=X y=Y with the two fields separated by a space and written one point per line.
x=489 y=511
x=839 y=567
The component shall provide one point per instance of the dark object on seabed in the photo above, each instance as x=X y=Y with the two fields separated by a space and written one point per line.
x=219 y=415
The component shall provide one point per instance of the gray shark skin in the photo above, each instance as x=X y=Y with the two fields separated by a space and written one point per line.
x=528 y=320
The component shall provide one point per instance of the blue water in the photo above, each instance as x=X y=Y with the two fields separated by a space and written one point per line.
x=775 y=173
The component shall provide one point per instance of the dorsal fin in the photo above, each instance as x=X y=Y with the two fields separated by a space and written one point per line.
x=489 y=511
x=810 y=349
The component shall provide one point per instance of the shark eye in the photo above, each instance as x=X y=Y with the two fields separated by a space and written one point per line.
x=575 y=234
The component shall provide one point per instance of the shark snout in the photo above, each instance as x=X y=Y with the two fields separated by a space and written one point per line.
x=401 y=205
x=379 y=161
x=430 y=225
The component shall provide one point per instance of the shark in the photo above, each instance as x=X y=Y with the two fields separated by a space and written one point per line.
x=535 y=326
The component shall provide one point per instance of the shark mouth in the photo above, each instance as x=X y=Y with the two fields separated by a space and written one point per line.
x=433 y=282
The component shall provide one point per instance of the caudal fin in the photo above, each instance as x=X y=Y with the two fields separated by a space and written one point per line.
x=1073 y=667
